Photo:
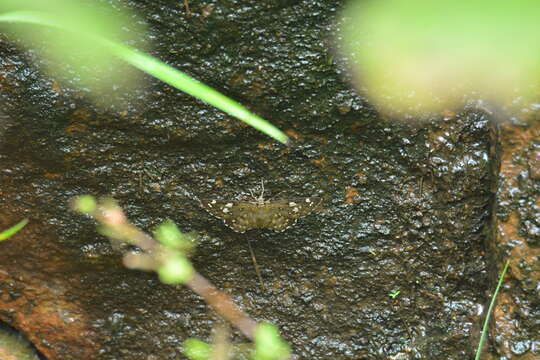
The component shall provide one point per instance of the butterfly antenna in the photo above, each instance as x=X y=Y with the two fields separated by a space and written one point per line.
x=255 y=265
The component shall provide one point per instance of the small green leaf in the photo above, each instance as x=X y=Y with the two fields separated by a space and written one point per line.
x=269 y=345
x=169 y=235
x=6 y=234
x=196 y=349
x=394 y=294
x=175 y=270
x=85 y=204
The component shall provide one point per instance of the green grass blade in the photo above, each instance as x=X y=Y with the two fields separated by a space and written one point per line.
x=159 y=70
x=490 y=309
x=187 y=84
x=6 y=234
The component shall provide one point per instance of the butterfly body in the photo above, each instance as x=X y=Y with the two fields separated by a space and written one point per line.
x=276 y=215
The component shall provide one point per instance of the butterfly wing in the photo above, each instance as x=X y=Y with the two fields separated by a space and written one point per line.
x=237 y=215
x=285 y=213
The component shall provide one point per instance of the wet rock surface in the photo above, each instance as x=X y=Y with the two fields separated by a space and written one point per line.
x=515 y=330
x=406 y=207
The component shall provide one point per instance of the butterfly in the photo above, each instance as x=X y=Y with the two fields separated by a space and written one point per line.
x=276 y=215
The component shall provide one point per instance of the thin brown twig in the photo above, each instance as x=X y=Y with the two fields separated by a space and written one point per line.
x=223 y=305
x=113 y=217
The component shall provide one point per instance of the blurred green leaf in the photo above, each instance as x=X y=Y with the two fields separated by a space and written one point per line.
x=169 y=235
x=176 y=269
x=424 y=55
x=268 y=344
x=66 y=43
x=6 y=234
x=196 y=349
x=85 y=204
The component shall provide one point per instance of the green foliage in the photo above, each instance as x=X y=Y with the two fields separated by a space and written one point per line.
x=90 y=39
x=6 y=234
x=175 y=269
x=268 y=344
x=416 y=55
x=67 y=39
x=168 y=259
x=196 y=349
x=85 y=204
x=170 y=236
